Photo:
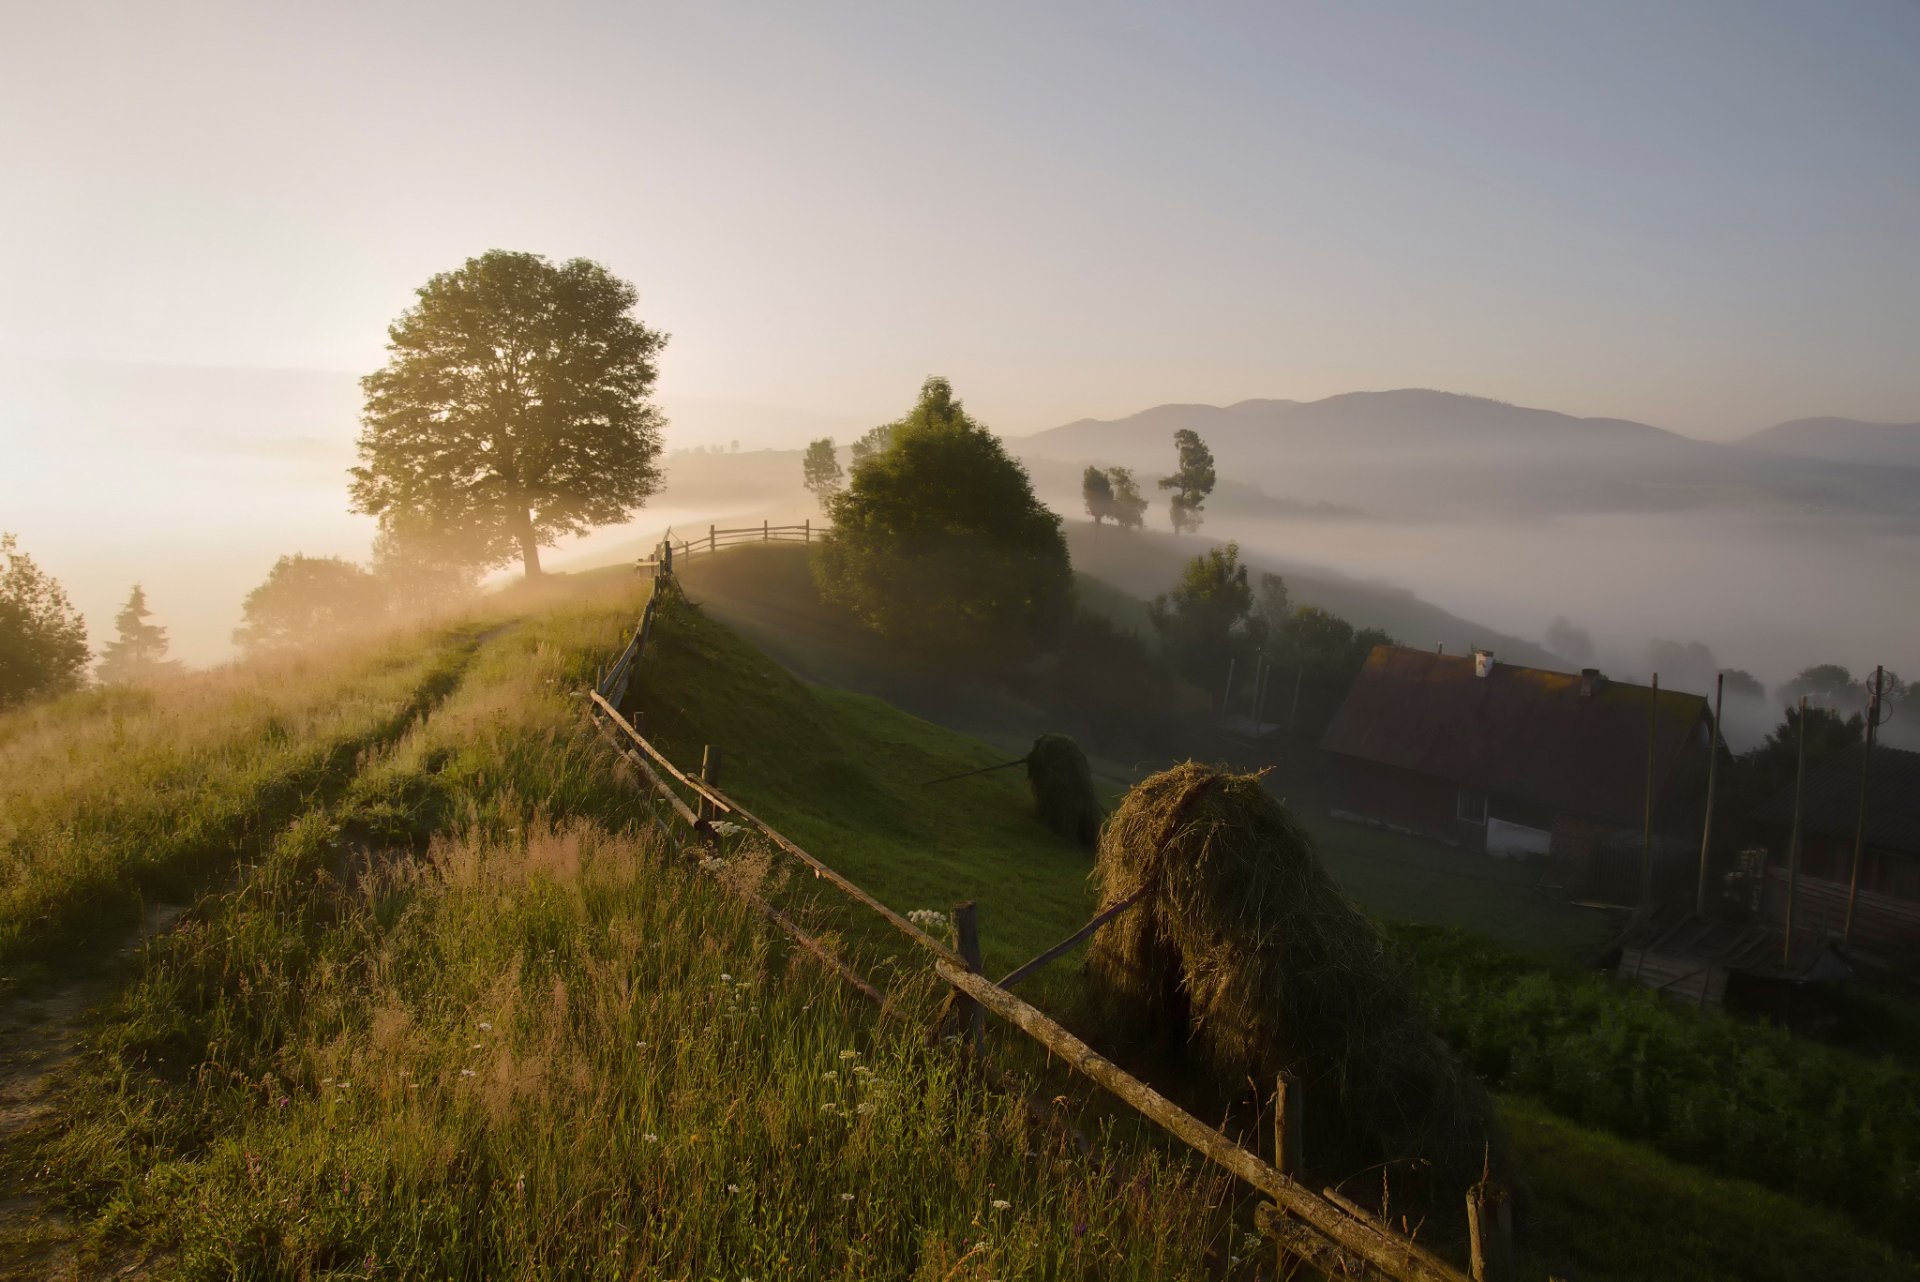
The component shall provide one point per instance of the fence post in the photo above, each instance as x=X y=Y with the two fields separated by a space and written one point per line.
x=709 y=774
x=713 y=539
x=966 y=934
x=1287 y=1124
x=1489 y=1233
x=766 y=531
x=806 y=530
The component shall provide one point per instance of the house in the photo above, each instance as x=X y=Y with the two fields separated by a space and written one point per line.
x=1516 y=760
x=1886 y=911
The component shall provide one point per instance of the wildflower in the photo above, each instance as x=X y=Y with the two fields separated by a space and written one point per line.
x=829 y=1075
x=485 y=1027
x=849 y=1054
x=864 y=1109
x=725 y=978
x=474 y=1047
x=846 y=1197
x=1001 y=1204
x=466 y=1072
x=861 y=1070
x=733 y=1188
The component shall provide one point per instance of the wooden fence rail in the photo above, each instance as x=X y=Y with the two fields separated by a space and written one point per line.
x=684 y=547
x=1324 y=1229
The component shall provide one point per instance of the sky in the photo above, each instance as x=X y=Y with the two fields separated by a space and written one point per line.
x=1705 y=216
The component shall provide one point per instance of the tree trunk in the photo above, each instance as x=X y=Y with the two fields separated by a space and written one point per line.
x=529 y=546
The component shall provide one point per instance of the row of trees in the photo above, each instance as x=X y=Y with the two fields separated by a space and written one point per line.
x=1112 y=493
x=43 y=639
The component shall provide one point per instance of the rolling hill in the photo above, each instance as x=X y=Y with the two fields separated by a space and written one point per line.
x=1415 y=451
x=1842 y=440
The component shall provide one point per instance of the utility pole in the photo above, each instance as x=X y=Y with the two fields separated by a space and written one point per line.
x=1713 y=772
x=1793 y=842
x=1860 y=820
x=1646 y=827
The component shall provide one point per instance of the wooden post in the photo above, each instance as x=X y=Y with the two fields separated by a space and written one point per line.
x=766 y=531
x=1489 y=1233
x=806 y=530
x=713 y=539
x=1793 y=841
x=1287 y=1105
x=1860 y=819
x=1713 y=773
x=709 y=774
x=1646 y=828
x=966 y=934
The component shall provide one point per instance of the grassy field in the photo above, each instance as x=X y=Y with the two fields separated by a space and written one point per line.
x=465 y=1015
x=461 y=1012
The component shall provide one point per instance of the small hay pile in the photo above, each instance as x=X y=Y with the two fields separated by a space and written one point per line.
x=1062 y=785
x=1248 y=959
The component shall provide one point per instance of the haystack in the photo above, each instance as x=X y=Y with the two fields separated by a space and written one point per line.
x=1246 y=960
x=1062 y=785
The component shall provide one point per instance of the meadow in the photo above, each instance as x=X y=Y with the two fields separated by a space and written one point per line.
x=461 y=1009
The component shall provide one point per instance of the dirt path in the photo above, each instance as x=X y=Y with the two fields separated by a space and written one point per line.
x=41 y=1032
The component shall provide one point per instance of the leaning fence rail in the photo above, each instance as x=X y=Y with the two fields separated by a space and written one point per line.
x=1324 y=1229
x=683 y=547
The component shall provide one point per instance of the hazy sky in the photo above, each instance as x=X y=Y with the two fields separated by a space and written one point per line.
x=1703 y=215
x=1706 y=215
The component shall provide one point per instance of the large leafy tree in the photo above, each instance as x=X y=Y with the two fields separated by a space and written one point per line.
x=308 y=601
x=43 y=640
x=1191 y=482
x=820 y=469
x=1198 y=620
x=1129 y=510
x=513 y=408
x=1096 y=490
x=139 y=651
x=939 y=543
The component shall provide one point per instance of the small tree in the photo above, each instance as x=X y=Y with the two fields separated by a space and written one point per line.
x=309 y=600
x=1129 y=505
x=1273 y=605
x=1825 y=685
x=43 y=639
x=1197 y=619
x=939 y=543
x=1192 y=482
x=1097 y=490
x=513 y=407
x=1574 y=644
x=139 y=653
x=420 y=570
x=820 y=467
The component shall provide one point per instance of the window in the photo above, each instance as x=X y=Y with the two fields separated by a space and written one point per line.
x=1471 y=807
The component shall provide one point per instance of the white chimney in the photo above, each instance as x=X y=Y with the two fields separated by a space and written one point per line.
x=1482 y=663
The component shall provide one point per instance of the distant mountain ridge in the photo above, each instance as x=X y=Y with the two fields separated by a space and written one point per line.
x=1842 y=440
x=1421 y=450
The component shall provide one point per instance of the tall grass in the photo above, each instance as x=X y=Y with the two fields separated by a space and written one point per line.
x=475 y=1020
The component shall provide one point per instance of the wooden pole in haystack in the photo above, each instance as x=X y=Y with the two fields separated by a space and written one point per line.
x=1288 y=1125
x=1646 y=828
x=966 y=935
x=1860 y=819
x=1793 y=841
x=1713 y=773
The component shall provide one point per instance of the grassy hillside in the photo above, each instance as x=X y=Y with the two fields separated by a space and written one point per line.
x=464 y=1013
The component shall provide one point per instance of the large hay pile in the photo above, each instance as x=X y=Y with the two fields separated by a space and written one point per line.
x=1247 y=959
x=1062 y=785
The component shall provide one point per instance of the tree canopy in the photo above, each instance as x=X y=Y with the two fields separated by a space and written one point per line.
x=1129 y=506
x=513 y=408
x=1191 y=482
x=1096 y=490
x=939 y=543
x=1198 y=618
x=139 y=651
x=43 y=639
x=309 y=600
x=820 y=469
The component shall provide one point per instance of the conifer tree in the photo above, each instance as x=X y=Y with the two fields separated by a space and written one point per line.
x=140 y=652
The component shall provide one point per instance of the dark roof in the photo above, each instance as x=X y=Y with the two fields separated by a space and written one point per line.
x=1831 y=806
x=1517 y=732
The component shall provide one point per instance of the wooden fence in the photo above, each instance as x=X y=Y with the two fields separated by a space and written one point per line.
x=1324 y=1229
x=682 y=547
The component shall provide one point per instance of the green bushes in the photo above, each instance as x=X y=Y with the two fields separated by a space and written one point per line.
x=1829 y=1126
